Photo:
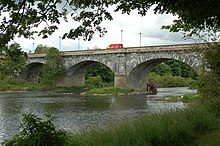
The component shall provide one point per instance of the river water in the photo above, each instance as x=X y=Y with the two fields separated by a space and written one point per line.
x=73 y=112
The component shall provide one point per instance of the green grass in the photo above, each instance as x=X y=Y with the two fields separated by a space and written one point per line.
x=28 y=86
x=172 y=128
x=107 y=91
x=209 y=139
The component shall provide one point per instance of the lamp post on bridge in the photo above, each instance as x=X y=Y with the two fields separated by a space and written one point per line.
x=60 y=43
x=33 y=47
x=121 y=36
x=78 y=43
x=140 y=38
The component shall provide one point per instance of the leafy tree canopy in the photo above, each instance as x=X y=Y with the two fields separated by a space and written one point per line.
x=14 y=60
x=41 y=49
x=20 y=16
x=53 y=69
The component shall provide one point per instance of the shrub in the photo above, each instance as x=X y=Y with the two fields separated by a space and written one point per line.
x=36 y=132
x=96 y=82
x=168 y=80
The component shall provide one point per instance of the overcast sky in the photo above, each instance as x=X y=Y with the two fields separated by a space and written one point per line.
x=132 y=25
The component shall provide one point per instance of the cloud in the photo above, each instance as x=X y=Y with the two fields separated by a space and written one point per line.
x=132 y=25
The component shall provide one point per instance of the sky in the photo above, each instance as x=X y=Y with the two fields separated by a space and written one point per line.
x=131 y=30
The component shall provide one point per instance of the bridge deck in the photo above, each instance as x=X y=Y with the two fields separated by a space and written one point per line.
x=178 y=47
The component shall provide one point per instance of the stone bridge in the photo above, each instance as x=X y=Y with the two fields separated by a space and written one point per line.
x=130 y=65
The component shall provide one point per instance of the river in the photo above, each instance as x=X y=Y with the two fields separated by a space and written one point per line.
x=73 y=112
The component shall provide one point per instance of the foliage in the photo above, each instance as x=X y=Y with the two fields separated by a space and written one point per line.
x=175 y=68
x=53 y=69
x=169 y=81
x=162 y=69
x=208 y=84
x=103 y=71
x=97 y=82
x=12 y=84
x=108 y=90
x=41 y=49
x=36 y=131
x=24 y=15
x=99 y=76
x=14 y=60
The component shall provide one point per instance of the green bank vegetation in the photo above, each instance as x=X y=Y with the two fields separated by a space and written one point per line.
x=15 y=85
x=107 y=91
x=168 y=80
x=172 y=74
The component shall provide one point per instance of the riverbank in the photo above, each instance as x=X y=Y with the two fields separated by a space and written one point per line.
x=16 y=86
x=180 y=127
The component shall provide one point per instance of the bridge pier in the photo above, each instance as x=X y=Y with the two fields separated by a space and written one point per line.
x=70 y=81
x=120 y=81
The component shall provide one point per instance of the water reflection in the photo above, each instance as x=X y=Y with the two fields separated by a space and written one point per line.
x=75 y=112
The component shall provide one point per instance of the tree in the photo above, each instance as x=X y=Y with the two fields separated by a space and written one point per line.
x=53 y=69
x=24 y=15
x=162 y=69
x=14 y=60
x=176 y=68
x=41 y=49
x=103 y=71
x=209 y=83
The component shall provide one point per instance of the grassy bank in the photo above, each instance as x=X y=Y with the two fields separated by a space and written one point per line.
x=14 y=85
x=195 y=125
x=170 y=81
x=179 y=127
x=107 y=91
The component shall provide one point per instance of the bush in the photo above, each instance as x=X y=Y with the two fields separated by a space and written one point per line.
x=36 y=132
x=109 y=90
x=96 y=82
x=168 y=80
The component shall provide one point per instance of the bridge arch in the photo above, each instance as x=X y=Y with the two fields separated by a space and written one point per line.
x=30 y=74
x=137 y=77
x=188 y=58
x=75 y=75
x=136 y=73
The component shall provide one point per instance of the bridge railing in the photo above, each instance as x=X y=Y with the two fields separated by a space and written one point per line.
x=126 y=50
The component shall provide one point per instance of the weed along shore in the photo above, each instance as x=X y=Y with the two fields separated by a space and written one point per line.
x=109 y=91
x=183 y=98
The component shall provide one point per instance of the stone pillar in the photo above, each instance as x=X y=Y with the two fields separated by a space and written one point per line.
x=72 y=81
x=120 y=79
